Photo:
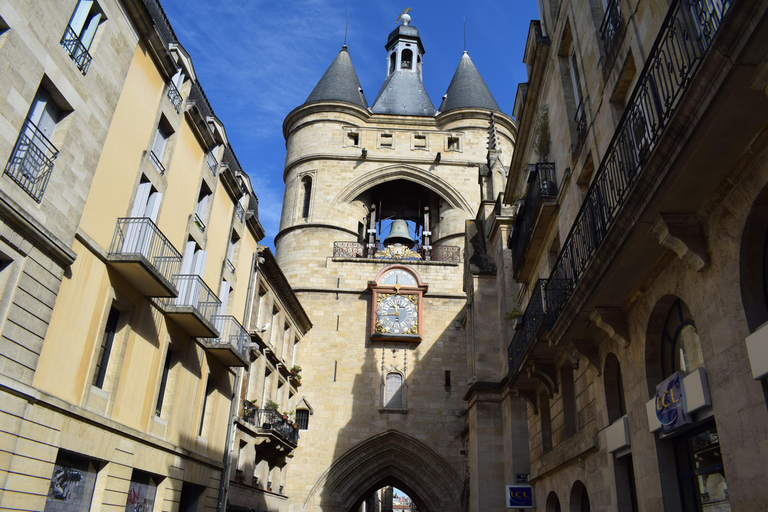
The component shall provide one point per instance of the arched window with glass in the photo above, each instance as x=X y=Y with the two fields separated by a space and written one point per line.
x=681 y=348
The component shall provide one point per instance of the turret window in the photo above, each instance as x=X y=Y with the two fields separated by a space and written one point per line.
x=306 y=183
x=406 y=59
x=386 y=140
x=453 y=144
x=392 y=59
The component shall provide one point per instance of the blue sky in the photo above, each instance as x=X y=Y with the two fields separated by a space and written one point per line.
x=259 y=59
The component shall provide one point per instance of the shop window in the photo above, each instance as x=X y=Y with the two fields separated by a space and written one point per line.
x=681 y=348
x=191 y=496
x=703 y=485
x=141 y=492
x=626 y=492
x=553 y=503
x=72 y=483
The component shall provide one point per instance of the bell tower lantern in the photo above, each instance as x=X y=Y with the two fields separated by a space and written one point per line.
x=404 y=48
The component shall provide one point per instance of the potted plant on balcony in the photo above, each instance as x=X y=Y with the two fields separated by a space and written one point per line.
x=516 y=316
x=296 y=375
x=249 y=409
x=271 y=404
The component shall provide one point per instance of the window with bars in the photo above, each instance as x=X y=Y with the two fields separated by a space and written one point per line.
x=302 y=419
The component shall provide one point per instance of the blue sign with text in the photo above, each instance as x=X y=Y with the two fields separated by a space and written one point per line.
x=519 y=496
x=670 y=403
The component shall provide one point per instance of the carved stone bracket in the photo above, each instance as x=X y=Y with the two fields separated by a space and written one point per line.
x=546 y=373
x=683 y=233
x=530 y=396
x=614 y=322
x=591 y=351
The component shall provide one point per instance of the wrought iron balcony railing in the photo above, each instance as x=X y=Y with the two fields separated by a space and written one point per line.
x=532 y=320
x=213 y=164
x=239 y=211
x=175 y=96
x=139 y=236
x=610 y=26
x=76 y=49
x=231 y=333
x=683 y=40
x=271 y=420
x=31 y=161
x=230 y=266
x=541 y=178
x=199 y=222
x=156 y=162
x=442 y=253
x=194 y=293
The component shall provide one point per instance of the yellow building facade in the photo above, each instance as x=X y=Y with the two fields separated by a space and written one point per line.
x=129 y=402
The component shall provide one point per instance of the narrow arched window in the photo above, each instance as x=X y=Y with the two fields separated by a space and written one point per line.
x=392 y=59
x=393 y=395
x=546 y=422
x=614 y=388
x=681 y=348
x=568 y=385
x=306 y=183
x=406 y=59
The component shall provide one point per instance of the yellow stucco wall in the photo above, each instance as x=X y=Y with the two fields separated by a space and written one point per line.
x=129 y=135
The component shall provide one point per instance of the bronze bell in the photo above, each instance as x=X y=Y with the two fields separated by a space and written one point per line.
x=398 y=234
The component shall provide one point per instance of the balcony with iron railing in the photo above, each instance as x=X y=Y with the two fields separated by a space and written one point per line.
x=231 y=346
x=174 y=96
x=533 y=320
x=212 y=163
x=156 y=162
x=143 y=255
x=76 y=49
x=533 y=219
x=282 y=433
x=610 y=26
x=439 y=253
x=683 y=41
x=31 y=161
x=240 y=212
x=194 y=307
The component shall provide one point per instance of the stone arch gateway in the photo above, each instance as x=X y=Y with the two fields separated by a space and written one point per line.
x=389 y=458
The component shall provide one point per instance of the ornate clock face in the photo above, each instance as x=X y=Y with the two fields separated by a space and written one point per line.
x=398 y=276
x=397 y=314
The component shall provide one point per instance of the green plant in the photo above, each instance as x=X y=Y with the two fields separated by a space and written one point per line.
x=296 y=372
x=542 y=141
x=271 y=404
x=515 y=313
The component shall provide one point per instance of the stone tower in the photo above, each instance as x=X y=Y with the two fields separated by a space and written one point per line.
x=385 y=366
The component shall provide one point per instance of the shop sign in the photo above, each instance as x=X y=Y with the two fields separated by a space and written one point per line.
x=519 y=496
x=670 y=403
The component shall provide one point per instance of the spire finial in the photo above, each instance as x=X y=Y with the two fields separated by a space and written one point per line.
x=465 y=34
x=404 y=16
x=346 y=29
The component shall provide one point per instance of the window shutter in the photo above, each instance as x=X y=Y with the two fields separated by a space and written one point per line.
x=142 y=197
x=87 y=37
x=224 y=296
x=202 y=205
x=79 y=16
x=199 y=263
x=178 y=78
x=158 y=146
x=153 y=205
x=189 y=256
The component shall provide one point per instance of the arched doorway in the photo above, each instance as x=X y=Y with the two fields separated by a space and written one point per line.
x=389 y=459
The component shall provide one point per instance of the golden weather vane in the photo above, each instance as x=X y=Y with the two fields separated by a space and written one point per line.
x=406 y=11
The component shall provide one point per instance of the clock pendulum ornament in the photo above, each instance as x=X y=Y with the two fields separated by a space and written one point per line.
x=397 y=297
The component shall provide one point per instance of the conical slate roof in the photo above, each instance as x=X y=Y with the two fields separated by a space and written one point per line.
x=339 y=83
x=403 y=94
x=468 y=89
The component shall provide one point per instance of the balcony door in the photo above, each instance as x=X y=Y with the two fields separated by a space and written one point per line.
x=189 y=282
x=139 y=231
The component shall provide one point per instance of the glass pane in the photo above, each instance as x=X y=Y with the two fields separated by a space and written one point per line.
x=688 y=355
x=707 y=463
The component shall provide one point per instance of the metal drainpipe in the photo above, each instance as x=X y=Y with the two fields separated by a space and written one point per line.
x=224 y=485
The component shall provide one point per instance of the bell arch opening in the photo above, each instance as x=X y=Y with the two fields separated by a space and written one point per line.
x=389 y=459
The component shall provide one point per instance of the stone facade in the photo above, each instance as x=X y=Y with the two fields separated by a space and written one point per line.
x=634 y=255
x=347 y=169
x=118 y=352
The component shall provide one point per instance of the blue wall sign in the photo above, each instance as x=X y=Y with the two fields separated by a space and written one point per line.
x=519 y=496
x=670 y=403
